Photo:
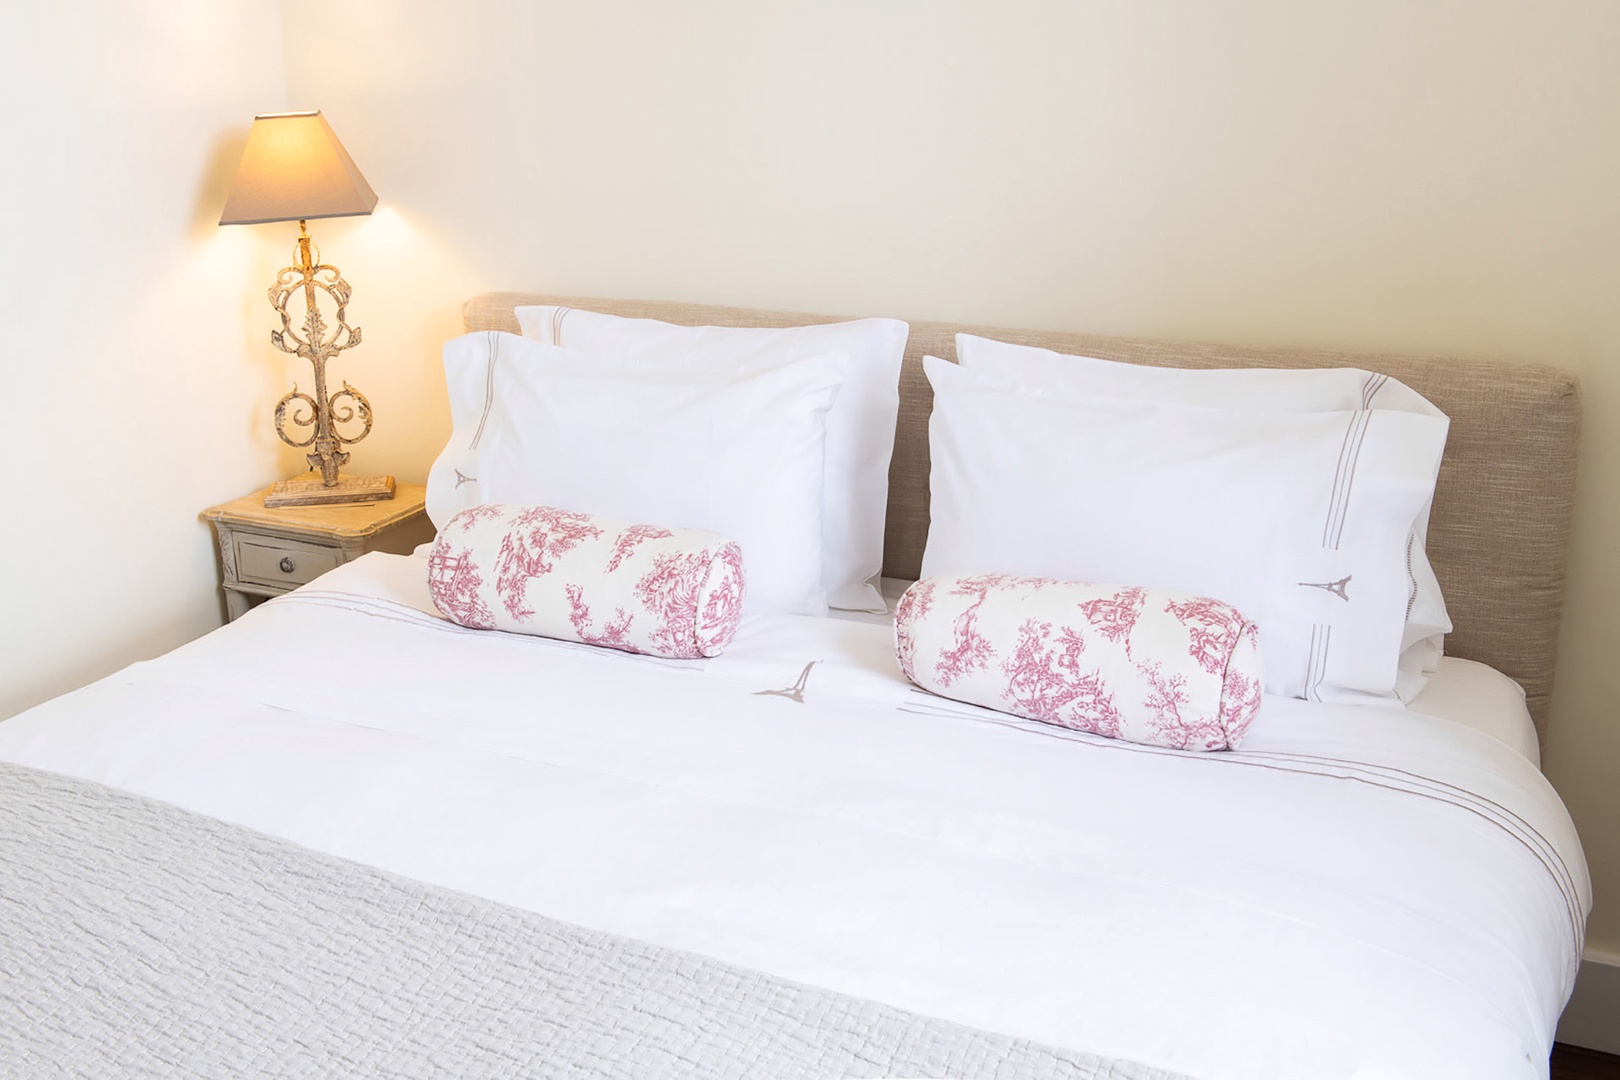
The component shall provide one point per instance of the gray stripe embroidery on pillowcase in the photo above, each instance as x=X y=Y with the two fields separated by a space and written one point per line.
x=493 y=338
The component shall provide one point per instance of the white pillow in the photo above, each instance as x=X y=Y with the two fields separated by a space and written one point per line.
x=1299 y=519
x=738 y=455
x=860 y=428
x=1034 y=369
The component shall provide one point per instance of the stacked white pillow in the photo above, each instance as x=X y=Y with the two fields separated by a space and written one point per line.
x=735 y=453
x=860 y=426
x=1301 y=518
x=1295 y=390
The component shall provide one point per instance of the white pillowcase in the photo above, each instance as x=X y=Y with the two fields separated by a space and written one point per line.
x=738 y=455
x=860 y=427
x=1032 y=369
x=1299 y=519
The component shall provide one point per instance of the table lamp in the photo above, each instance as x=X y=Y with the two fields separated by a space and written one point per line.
x=294 y=169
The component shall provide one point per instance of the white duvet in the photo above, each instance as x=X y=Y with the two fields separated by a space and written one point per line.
x=1359 y=892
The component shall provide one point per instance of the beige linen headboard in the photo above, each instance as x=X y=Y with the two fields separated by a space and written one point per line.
x=1499 y=534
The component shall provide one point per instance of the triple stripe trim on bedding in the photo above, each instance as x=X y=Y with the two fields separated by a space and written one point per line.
x=1386 y=777
x=921 y=702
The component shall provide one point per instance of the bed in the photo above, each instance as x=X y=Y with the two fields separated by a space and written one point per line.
x=504 y=855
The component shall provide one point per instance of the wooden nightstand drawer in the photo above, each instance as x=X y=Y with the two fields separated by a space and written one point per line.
x=265 y=551
x=273 y=561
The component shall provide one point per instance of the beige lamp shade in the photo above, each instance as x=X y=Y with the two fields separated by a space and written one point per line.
x=295 y=169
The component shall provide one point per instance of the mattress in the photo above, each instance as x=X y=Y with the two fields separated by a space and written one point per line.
x=794 y=807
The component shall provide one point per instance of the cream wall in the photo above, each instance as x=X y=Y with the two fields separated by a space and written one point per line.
x=1403 y=175
x=133 y=392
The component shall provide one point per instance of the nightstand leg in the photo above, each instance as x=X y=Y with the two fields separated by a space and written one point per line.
x=236 y=605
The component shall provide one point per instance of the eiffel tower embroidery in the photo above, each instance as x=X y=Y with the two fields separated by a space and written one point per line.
x=794 y=692
x=463 y=478
x=1337 y=588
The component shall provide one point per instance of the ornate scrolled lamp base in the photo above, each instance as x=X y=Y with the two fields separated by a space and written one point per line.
x=321 y=414
x=311 y=490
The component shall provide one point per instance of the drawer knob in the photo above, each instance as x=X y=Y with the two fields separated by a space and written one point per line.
x=287 y=564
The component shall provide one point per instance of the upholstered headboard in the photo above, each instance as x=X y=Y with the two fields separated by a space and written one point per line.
x=1499 y=534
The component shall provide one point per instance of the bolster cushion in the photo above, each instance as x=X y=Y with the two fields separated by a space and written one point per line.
x=555 y=573
x=1130 y=663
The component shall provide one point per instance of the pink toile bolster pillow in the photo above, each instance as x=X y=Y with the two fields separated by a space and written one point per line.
x=577 y=577
x=1129 y=663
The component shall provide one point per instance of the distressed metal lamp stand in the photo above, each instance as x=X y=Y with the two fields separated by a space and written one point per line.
x=294 y=168
x=322 y=413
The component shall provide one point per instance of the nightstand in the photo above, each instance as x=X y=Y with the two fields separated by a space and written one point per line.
x=268 y=552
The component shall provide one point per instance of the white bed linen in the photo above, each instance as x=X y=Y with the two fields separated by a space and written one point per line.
x=1273 y=912
x=1480 y=697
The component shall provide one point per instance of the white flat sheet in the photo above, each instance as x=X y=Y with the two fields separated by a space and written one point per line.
x=1359 y=892
x=1478 y=696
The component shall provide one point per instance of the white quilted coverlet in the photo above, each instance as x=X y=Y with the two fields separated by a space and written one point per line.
x=146 y=941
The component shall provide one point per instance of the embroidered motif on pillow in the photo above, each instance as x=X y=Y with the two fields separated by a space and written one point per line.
x=1123 y=662
x=554 y=573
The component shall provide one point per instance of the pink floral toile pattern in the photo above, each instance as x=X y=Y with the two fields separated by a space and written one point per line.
x=556 y=573
x=484 y=512
x=612 y=635
x=1241 y=689
x=971 y=651
x=454 y=581
x=1174 y=723
x=721 y=611
x=915 y=603
x=530 y=545
x=1048 y=679
x=627 y=541
x=1114 y=617
x=671 y=592
x=1212 y=629
x=1121 y=662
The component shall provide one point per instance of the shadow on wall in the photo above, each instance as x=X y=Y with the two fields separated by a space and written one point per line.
x=214 y=184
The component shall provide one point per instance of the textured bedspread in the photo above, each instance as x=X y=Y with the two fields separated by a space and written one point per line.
x=139 y=939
